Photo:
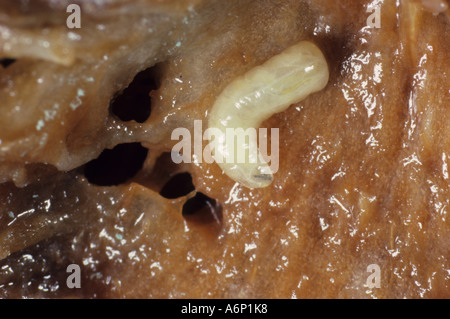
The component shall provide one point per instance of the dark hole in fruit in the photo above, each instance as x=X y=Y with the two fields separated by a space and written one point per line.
x=116 y=166
x=7 y=62
x=134 y=102
x=202 y=209
x=178 y=186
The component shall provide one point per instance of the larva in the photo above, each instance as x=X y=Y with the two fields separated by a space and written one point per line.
x=253 y=97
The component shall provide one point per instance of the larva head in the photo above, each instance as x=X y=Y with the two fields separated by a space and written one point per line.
x=251 y=175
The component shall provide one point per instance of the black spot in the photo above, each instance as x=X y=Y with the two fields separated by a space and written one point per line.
x=264 y=177
x=116 y=166
x=7 y=62
x=178 y=186
x=202 y=209
x=134 y=103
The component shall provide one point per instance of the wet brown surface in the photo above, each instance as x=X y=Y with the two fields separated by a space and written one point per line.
x=363 y=175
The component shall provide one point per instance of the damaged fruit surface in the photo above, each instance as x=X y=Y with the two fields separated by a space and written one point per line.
x=363 y=176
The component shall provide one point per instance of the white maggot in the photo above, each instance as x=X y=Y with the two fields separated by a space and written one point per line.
x=248 y=100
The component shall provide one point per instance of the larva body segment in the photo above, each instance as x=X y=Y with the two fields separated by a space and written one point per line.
x=247 y=101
